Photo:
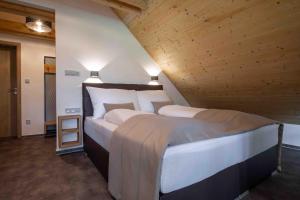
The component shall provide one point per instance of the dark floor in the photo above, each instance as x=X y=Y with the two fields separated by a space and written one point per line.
x=30 y=170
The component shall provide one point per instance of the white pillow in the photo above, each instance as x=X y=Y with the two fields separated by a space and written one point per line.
x=146 y=98
x=113 y=96
x=119 y=116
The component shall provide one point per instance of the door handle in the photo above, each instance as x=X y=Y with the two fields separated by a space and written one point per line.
x=13 y=91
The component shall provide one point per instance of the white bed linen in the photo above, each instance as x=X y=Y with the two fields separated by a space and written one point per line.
x=146 y=97
x=119 y=116
x=99 y=130
x=179 y=111
x=186 y=164
x=99 y=96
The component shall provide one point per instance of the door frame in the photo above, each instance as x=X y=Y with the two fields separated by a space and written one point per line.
x=18 y=65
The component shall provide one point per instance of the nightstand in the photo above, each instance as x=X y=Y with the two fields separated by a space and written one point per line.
x=69 y=131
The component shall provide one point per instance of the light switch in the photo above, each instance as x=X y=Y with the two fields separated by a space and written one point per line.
x=27 y=81
x=72 y=73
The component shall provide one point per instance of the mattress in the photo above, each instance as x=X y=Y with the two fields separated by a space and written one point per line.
x=186 y=164
x=99 y=130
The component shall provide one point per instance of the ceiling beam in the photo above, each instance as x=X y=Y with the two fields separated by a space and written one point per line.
x=26 y=11
x=20 y=29
x=120 y=5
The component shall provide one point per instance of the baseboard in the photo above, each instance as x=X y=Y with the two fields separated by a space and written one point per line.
x=241 y=196
x=33 y=135
x=67 y=151
x=275 y=173
x=291 y=147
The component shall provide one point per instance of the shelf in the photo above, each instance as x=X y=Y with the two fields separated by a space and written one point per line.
x=70 y=130
x=67 y=117
x=70 y=144
x=62 y=132
x=49 y=123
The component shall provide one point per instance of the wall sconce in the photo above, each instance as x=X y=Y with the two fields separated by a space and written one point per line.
x=94 y=77
x=94 y=74
x=154 y=80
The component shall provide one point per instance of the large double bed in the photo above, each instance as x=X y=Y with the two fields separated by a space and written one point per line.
x=219 y=168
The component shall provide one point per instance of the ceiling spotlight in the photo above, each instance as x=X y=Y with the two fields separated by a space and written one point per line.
x=38 y=25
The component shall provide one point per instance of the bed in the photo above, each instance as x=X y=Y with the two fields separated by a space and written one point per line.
x=245 y=160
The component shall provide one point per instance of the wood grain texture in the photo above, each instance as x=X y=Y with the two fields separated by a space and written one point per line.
x=61 y=131
x=242 y=55
x=13 y=19
x=25 y=10
x=127 y=16
x=49 y=68
x=5 y=85
x=20 y=29
x=124 y=5
x=8 y=83
x=15 y=83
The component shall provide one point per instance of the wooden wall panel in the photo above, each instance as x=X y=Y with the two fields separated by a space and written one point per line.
x=242 y=54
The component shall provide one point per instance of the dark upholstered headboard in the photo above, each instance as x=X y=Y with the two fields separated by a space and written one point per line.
x=86 y=100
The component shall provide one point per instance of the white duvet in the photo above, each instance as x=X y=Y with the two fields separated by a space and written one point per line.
x=119 y=116
x=179 y=111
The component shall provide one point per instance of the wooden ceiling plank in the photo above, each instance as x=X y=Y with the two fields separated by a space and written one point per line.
x=241 y=55
x=120 y=5
x=24 y=10
x=21 y=30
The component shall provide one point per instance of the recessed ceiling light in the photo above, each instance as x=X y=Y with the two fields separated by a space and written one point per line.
x=38 y=25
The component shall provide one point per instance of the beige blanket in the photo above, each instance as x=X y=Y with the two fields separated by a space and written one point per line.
x=137 y=147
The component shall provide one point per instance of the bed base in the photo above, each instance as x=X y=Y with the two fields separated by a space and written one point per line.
x=225 y=185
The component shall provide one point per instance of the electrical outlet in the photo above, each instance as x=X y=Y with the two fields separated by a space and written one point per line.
x=28 y=122
x=72 y=110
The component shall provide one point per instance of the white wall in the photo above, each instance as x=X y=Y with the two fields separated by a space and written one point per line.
x=32 y=67
x=90 y=36
x=291 y=134
x=93 y=36
x=85 y=40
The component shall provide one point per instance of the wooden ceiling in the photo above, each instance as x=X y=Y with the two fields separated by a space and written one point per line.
x=13 y=17
x=131 y=6
x=242 y=55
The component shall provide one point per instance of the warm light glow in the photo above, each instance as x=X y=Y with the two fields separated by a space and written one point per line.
x=39 y=29
x=93 y=80
x=94 y=68
x=39 y=23
x=93 y=63
x=153 y=83
x=153 y=71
